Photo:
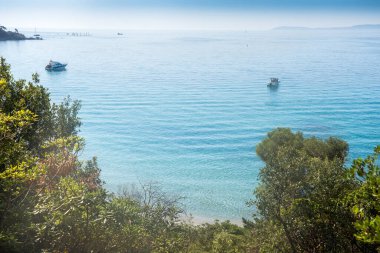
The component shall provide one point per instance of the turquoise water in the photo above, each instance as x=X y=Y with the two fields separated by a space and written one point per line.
x=186 y=109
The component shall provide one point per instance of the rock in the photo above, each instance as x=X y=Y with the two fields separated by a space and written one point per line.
x=8 y=35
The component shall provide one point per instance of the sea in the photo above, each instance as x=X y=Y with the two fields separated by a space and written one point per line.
x=185 y=109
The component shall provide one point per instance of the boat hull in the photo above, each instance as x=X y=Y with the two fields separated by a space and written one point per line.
x=56 y=68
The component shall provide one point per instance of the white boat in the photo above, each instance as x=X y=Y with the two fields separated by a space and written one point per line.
x=273 y=82
x=55 y=66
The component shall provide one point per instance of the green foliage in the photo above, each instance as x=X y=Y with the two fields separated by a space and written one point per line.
x=221 y=237
x=70 y=217
x=156 y=219
x=12 y=129
x=33 y=149
x=54 y=121
x=365 y=200
x=66 y=121
x=300 y=192
x=267 y=236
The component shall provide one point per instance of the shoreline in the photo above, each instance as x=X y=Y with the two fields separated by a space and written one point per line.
x=200 y=220
x=14 y=36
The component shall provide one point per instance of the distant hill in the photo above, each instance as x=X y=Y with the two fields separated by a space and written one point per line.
x=375 y=26
x=291 y=28
x=8 y=35
x=355 y=27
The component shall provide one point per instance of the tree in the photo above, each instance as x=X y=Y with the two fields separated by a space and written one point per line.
x=300 y=192
x=152 y=220
x=364 y=201
x=220 y=237
x=71 y=218
x=34 y=153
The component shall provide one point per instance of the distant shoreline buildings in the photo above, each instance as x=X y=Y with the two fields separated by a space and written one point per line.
x=76 y=34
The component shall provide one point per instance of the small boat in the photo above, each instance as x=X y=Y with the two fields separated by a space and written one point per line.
x=37 y=37
x=119 y=34
x=274 y=82
x=55 y=66
x=36 y=34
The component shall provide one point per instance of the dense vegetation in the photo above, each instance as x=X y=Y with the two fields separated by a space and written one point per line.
x=50 y=201
x=307 y=201
x=9 y=35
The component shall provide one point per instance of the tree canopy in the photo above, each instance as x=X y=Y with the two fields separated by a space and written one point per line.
x=300 y=199
x=365 y=200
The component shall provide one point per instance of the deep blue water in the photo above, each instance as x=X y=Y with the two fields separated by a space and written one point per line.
x=186 y=109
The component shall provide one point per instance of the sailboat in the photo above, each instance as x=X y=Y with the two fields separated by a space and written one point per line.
x=36 y=35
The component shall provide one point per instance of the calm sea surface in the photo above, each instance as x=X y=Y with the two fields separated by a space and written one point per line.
x=186 y=109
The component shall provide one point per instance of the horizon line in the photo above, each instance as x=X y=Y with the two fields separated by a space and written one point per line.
x=363 y=25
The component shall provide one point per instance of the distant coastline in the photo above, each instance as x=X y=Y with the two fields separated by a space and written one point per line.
x=355 y=27
x=9 y=35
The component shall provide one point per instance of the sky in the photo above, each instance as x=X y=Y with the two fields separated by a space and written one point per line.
x=186 y=14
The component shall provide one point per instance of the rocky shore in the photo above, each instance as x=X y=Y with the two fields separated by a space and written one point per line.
x=9 y=35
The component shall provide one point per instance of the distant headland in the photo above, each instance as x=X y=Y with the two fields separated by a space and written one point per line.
x=355 y=27
x=9 y=35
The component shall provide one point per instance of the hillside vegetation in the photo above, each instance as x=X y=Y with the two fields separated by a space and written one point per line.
x=9 y=35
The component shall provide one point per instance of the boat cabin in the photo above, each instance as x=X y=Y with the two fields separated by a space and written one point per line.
x=273 y=81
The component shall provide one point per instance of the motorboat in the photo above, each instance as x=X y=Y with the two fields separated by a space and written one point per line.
x=274 y=82
x=55 y=66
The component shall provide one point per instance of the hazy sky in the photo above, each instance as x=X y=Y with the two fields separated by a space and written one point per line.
x=187 y=14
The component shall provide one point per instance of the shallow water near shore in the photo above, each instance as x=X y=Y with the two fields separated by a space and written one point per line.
x=186 y=109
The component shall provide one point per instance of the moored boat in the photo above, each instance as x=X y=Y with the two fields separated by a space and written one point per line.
x=55 y=66
x=273 y=82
